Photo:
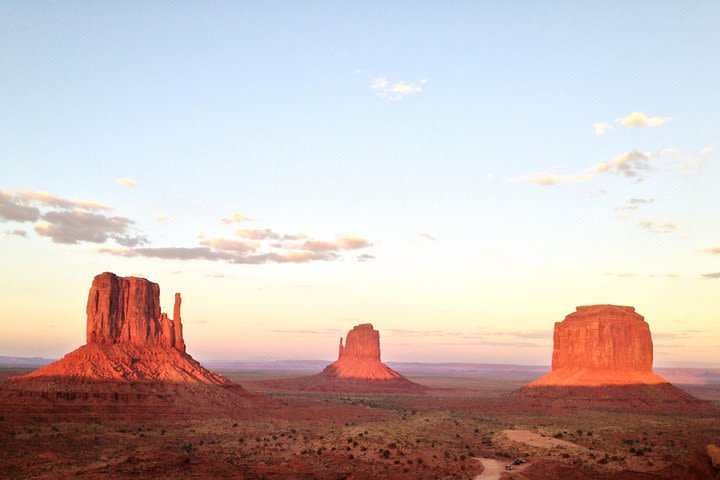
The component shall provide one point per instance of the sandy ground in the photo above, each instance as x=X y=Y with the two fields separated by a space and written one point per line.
x=494 y=469
x=444 y=433
x=532 y=439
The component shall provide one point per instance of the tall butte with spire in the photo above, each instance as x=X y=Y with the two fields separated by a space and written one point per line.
x=360 y=357
x=133 y=350
x=359 y=363
x=603 y=354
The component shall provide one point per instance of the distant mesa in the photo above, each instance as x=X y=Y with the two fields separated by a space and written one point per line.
x=360 y=357
x=358 y=369
x=133 y=352
x=603 y=356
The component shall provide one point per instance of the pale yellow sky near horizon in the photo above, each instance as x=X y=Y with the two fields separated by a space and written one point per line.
x=278 y=313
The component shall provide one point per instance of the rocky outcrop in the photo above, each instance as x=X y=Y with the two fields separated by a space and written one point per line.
x=602 y=358
x=603 y=337
x=358 y=369
x=360 y=357
x=602 y=345
x=127 y=310
x=134 y=363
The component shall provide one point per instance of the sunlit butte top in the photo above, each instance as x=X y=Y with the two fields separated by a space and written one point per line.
x=601 y=345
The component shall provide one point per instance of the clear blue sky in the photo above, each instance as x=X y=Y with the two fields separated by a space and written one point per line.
x=471 y=123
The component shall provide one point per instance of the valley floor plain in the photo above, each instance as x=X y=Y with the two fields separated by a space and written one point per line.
x=289 y=434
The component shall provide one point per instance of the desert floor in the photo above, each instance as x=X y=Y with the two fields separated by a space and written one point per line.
x=459 y=425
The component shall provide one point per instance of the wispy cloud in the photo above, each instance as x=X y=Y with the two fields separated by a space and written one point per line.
x=18 y=232
x=711 y=276
x=50 y=200
x=549 y=179
x=396 y=90
x=161 y=219
x=633 y=120
x=629 y=164
x=230 y=244
x=261 y=234
x=12 y=210
x=365 y=257
x=76 y=221
x=712 y=250
x=658 y=227
x=640 y=120
x=251 y=252
x=633 y=164
x=426 y=236
x=342 y=242
x=67 y=221
x=236 y=218
x=640 y=201
x=75 y=226
x=127 y=182
x=601 y=128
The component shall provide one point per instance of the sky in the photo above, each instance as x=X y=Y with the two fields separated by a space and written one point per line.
x=461 y=176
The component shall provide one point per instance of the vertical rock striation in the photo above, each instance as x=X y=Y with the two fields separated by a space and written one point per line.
x=601 y=345
x=127 y=310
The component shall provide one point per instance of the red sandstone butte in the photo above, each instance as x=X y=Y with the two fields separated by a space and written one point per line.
x=134 y=364
x=127 y=310
x=129 y=339
x=601 y=345
x=602 y=359
x=360 y=357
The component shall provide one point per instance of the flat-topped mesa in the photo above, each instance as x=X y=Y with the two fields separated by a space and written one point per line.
x=360 y=357
x=601 y=345
x=127 y=310
x=603 y=337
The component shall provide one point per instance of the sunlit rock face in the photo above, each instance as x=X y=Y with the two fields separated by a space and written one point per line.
x=360 y=357
x=127 y=310
x=129 y=339
x=601 y=345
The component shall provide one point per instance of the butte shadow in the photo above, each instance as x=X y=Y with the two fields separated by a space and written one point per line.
x=358 y=369
x=134 y=364
x=602 y=359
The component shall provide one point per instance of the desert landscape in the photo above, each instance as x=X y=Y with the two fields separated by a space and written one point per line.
x=132 y=403
x=312 y=240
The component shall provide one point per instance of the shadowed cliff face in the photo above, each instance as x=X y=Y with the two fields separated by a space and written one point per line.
x=602 y=345
x=127 y=310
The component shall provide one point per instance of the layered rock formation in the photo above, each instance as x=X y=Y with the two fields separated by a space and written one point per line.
x=358 y=369
x=360 y=357
x=602 y=345
x=133 y=352
x=602 y=358
x=127 y=310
